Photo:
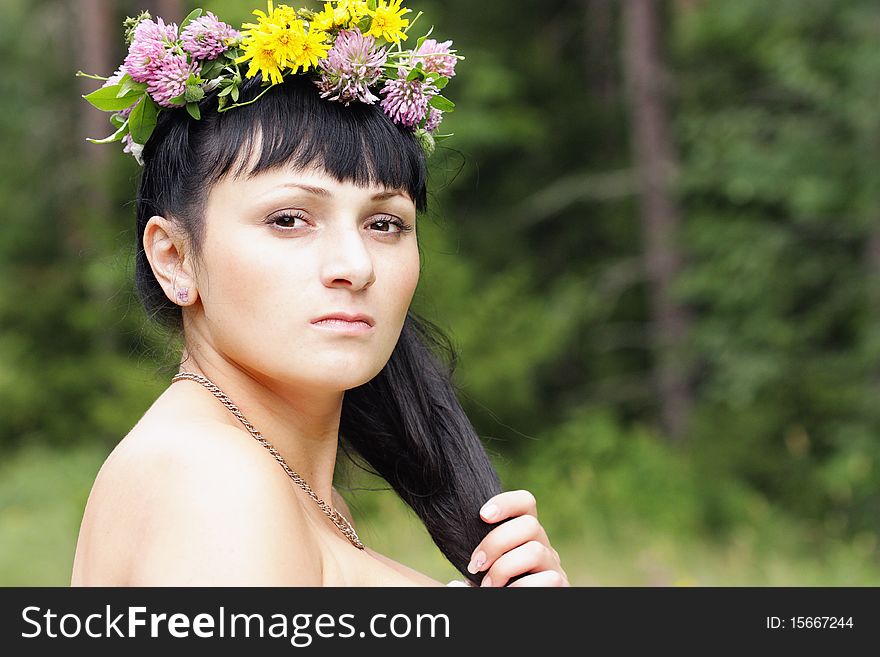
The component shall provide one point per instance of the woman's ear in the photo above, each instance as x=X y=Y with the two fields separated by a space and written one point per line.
x=166 y=250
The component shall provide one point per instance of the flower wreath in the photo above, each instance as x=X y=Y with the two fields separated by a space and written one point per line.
x=352 y=49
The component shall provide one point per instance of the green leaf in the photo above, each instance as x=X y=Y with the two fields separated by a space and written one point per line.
x=364 y=24
x=423 y=39
x=212 y=70
x=232 y=54
x=194 y=14
x=116 y=136
x=129 y=87
x=143 y=120
x=415 y=74
x=234 y=94
x=442 y=103
x=108 y=100
x=226 y=91
x=125 y=78
x=193 y=109
x=441 y=83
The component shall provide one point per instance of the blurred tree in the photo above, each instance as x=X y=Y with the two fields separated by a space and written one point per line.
x=656 y=163
x=96 y=28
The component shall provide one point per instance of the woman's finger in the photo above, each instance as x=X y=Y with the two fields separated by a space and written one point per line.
x=543 y=578
x=509 y=504
x=531 y=557
x=506 y=537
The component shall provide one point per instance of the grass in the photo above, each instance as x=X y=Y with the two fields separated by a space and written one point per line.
x=43 y=494
x=42 y=497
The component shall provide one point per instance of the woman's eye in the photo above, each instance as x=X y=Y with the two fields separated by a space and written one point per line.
x=391 y=226
x=286 y=220
x=384 y=225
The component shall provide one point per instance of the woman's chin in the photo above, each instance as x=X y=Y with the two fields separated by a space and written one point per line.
x=337 y=377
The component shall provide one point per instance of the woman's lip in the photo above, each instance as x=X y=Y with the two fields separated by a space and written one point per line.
x=347 y=317
x=343 y=326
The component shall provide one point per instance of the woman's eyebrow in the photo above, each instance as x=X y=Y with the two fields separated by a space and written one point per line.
x=317 y=191
x=384 y=196
x=324 y=193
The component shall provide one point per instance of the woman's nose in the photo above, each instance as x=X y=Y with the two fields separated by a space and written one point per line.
x=346 y=259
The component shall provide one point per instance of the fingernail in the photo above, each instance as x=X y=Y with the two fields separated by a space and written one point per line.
x=489 y=511
x=477 y=562
x=487 y=581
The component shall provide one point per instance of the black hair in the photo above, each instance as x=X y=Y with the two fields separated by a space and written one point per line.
x=406 y=423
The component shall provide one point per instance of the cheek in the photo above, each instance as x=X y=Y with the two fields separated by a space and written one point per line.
x=400 y=276
x=251 y=295
x=234 y=276
x=255 y=308
x=395 y=286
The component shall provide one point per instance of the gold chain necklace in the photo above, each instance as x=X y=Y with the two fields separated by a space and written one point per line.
x=337 y=518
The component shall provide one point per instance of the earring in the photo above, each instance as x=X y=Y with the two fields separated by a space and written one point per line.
x=183 y=295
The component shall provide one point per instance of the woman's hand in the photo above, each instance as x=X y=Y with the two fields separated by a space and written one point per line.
x=517 y=546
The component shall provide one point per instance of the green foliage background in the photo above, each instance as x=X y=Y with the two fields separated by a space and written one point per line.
x=532 y=263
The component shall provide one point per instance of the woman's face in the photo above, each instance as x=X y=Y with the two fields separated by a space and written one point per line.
x=287 y=247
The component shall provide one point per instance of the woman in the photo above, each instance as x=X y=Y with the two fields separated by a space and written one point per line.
x=280 y=239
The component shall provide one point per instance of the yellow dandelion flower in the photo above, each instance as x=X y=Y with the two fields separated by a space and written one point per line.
x=286 y=16
x=356 y=9
x=280 y=16
x=326 y=19
x=388 y=21
x=287 y=42
x=330 y=17
x=343 y=15
x=314 y=48
x=273 y=42
x=261 y=54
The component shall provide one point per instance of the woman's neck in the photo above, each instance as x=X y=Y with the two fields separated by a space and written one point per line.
x=303 y=425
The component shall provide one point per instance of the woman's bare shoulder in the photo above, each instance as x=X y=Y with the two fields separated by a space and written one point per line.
x=195 y=504
x=409 y=573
